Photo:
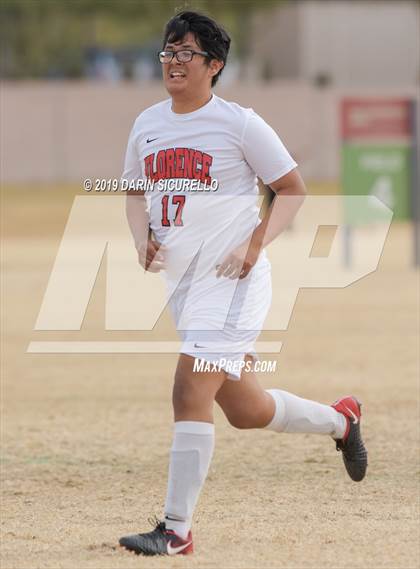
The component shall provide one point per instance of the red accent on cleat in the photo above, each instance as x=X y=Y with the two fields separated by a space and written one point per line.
x=350 y=407
x=177 y=545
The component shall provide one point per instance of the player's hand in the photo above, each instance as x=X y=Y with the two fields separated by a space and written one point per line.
x=151 y=256
x=239 y=262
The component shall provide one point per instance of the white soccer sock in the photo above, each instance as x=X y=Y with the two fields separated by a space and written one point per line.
x=191 y=454
x=296 y=415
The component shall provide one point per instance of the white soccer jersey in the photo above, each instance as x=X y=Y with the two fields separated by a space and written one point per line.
x=203 y=169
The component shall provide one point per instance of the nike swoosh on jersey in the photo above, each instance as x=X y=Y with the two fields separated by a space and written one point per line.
x=174 y=550
x=151 y=139
x=197 y=346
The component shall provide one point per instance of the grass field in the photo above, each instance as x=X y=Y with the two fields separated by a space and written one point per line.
x=85 y=438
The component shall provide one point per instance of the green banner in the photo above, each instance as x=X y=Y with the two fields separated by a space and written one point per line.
x=380 y=170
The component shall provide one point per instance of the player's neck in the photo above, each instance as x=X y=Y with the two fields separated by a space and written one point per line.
x=183 y=104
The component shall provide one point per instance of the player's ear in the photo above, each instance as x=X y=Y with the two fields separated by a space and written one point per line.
x=215 y=66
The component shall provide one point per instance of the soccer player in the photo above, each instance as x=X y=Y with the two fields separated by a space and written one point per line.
x=209 y=246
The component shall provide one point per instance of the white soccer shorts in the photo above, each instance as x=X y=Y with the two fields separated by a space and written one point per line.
x=219 y=320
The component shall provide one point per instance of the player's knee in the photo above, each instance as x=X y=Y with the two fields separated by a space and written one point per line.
x=186 y=397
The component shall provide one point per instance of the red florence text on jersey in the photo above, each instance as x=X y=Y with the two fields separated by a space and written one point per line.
x=179 y=163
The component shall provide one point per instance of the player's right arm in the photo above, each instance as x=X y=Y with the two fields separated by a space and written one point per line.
x=137 y=212
x=149 y=250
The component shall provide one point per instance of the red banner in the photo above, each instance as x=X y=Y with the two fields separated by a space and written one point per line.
x=377 y=119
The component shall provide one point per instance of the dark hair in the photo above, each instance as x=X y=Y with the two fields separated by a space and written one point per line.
x=209 y=35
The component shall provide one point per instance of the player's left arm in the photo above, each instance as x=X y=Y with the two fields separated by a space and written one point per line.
x=290 y=193
x=269 y=159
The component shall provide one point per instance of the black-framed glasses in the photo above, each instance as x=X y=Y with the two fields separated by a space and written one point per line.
x=182 y=56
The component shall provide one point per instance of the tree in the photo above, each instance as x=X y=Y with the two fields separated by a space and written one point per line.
x=44 y=38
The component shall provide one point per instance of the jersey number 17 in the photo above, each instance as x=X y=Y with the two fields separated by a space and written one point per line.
x=179 y=202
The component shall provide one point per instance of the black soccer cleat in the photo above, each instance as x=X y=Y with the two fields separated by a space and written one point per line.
x=355 y=456
x=160 y=541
